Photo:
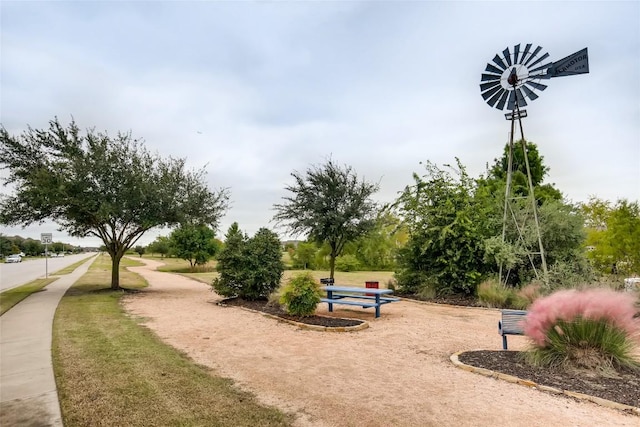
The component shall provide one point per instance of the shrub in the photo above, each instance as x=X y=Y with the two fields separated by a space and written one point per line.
x=301 y=295
x=347 y=263
x=264 y=265
x=249 y=268
x=524 y=297
x=595 y=328
x=493 y=294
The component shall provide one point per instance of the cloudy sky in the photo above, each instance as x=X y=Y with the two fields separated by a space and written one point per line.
x=255 y=90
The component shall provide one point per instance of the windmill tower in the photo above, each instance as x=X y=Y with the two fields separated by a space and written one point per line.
x=507 y=82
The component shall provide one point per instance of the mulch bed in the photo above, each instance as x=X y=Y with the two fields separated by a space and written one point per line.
x=264 y=307
x=623 y=387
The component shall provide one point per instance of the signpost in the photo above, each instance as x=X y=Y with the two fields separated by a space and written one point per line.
x=46 y=239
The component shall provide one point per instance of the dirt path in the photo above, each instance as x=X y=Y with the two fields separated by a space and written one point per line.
x=395 y=373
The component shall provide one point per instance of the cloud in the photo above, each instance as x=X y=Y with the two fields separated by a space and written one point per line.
x=255 y=90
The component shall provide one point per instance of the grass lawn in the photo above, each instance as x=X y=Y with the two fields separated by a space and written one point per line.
x=352 y=278
x=110 y=370
x=13 y=296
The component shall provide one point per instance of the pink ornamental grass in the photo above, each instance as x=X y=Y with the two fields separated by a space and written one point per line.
x=616 y=308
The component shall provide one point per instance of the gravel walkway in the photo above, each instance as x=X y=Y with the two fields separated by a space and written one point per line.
x=395 y=373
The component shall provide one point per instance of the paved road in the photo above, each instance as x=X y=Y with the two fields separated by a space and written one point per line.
x=12 y=275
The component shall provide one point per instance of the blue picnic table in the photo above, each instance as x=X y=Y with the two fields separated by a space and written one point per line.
x=362 y=297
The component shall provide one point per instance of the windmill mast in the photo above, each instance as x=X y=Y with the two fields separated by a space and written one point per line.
x=507 y=82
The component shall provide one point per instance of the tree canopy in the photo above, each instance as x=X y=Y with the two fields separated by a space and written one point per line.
x=194 y=243
x=92 y=184
x=329 y=204
x=497 y=175
x=613 y=235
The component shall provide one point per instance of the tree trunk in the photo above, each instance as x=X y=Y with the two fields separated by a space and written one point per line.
x=332 y=264
x=115 y=270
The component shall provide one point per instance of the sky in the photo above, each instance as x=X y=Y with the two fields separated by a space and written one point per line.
x=253 y=91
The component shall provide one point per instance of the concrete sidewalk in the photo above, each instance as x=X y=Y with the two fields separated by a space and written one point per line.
x=28 y=394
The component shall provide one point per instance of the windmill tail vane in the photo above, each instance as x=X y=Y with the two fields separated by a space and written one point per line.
x=516 y=75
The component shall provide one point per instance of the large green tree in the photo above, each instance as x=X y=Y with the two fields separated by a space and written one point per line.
x=161 y=245
x=497 y=175
x=194 y=243
x=93 y=184
x=377 y=250
x=329 y=204
x=613 y=235
x=445 y=247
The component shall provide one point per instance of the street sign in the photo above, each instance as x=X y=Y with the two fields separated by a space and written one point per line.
x=46 y=238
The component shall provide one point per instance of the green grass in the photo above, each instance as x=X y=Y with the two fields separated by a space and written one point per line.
x=13 y=296
x=352 y=278
x=70 y=268
x=110 y=370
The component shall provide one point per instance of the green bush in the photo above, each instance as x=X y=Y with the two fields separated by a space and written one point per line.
x=525 y=296
x=493 y=294
x=301 y=295
x=249 y=268
x=347 y=263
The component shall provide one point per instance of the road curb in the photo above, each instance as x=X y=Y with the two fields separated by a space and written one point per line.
x=510 y=378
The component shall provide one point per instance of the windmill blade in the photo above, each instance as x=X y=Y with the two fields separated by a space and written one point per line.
x=537 y=61
x=540 y=68
x=533 y=55
x=503 y=99
x=516 y=52
x=525 y=53
x=507 y=56
x=490 y=92
x=535 y=85
x=512 y=100
x=522 y=102
x=498 y=61
x=531 y=94
x=496 y=97
x=490 y=77
x=486 y=86
x=493 y=69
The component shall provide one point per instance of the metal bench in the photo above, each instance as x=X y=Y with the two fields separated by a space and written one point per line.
x=511 y=324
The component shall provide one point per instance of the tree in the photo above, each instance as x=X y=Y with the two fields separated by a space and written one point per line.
x=329 y=204
x=498 y=173
x=231 y=266
x=377 y=249
x=445 y=246
x=5 y=245
x=159 y=246
x=249 y=268
x=140 y=250
x=304 y=255
x=96 y=185
x=264 y=265
x=194 y=243
x=613 y=235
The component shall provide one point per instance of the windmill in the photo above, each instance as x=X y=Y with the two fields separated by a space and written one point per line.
x=508 y=81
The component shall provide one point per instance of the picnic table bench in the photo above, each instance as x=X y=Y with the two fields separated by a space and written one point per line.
x=362 y=297
x=511 y=324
